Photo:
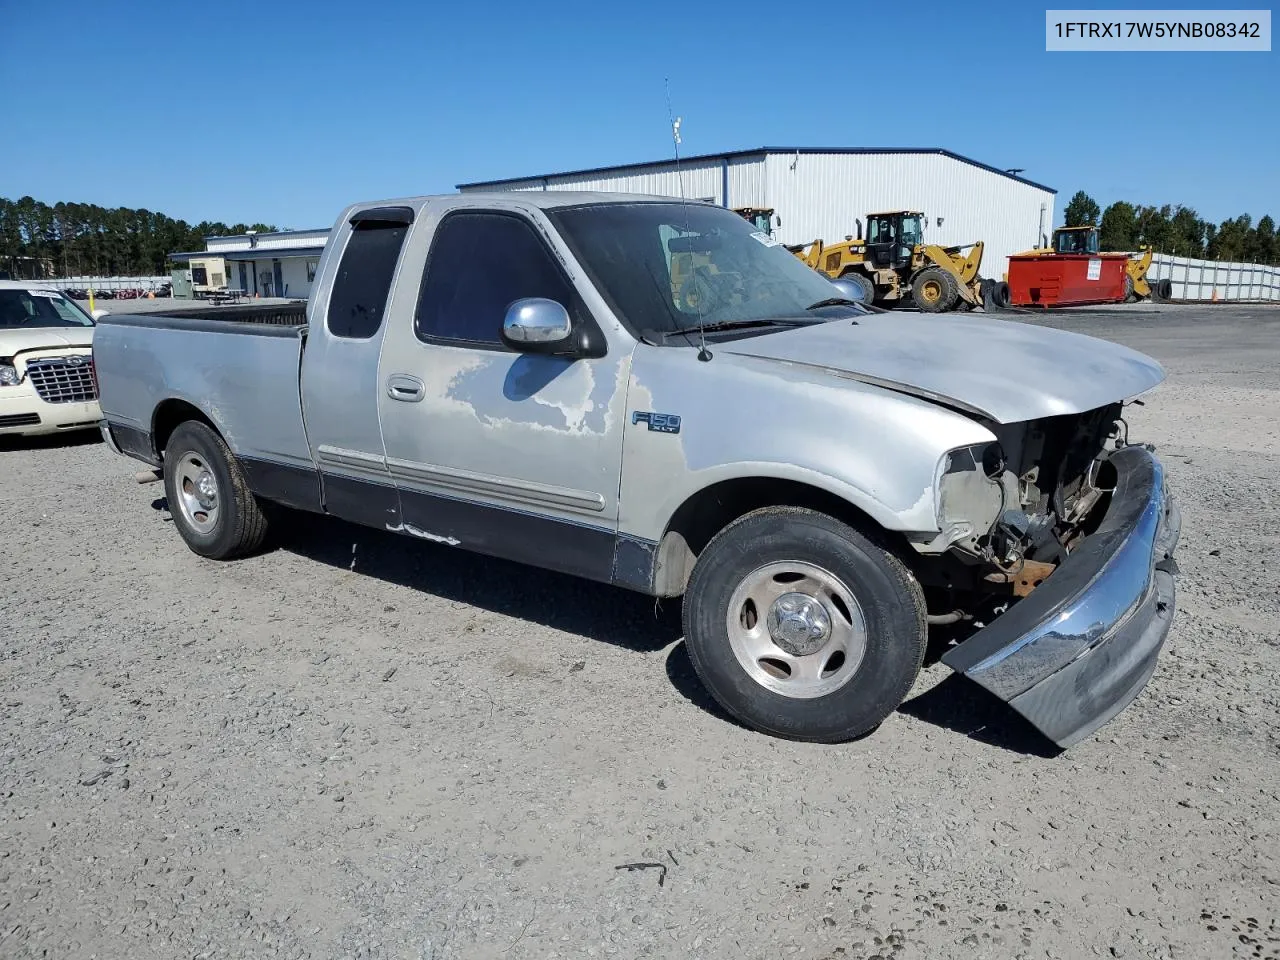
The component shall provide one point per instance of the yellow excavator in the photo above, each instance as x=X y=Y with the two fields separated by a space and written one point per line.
x=1084 y=240
x=684 y=287
x=894 y=263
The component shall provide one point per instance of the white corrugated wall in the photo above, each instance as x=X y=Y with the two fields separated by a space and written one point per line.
x=819 y=195
x=748 y=184
x=702 y=181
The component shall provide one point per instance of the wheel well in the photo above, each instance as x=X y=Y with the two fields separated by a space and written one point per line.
x=167 y=418
x=713 y=508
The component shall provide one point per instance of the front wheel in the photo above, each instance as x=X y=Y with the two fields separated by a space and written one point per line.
x=934 y=290
x=210 y=501
x=802 y=627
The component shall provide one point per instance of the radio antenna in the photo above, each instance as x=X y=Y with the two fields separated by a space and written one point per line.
x=703 y=353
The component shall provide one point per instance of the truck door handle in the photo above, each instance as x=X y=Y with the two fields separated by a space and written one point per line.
x=401 y=386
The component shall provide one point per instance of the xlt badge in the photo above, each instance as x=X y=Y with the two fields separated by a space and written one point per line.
x=659 y=422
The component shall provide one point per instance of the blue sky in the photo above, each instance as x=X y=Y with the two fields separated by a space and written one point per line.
x=283 y=112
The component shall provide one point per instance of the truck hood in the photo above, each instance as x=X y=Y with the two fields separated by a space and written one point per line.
x=1005 y=371
x=14 y=341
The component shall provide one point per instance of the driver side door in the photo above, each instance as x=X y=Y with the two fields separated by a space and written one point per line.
x=511 y=454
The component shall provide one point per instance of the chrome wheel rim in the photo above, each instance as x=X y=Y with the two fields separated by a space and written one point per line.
x=796 y=629
x=197 y=490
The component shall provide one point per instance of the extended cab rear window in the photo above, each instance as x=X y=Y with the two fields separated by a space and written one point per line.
x=363 y=284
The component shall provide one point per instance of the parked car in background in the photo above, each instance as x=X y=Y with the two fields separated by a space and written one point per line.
x=47 y=380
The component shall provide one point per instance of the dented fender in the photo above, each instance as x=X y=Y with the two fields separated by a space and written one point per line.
x=737 y=418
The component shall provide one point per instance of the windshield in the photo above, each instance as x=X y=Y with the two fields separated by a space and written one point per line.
x=27 y=309
x=1077 y=241
x=894 y=228
x=665 y=267
x=912 y=231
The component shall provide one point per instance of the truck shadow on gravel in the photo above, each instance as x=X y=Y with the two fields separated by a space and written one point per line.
x=603 y=613
x=560 y=601
x=962 y=706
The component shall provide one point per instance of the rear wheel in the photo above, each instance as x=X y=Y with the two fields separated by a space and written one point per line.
x=803 y=628
x=212 y=506
x=1000 y=294
x=934 y=290
x=862 y=281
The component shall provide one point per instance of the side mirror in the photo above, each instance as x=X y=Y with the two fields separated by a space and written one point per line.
x=537 y=325
x=99 y=313
x=850 y=290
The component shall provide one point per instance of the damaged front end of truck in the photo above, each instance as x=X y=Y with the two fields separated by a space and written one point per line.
x=1057 y=545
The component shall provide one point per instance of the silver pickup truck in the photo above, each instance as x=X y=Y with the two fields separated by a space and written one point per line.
x=652 y=394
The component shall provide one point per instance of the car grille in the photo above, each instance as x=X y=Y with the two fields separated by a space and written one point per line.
x=63 y=379
x=19 y=419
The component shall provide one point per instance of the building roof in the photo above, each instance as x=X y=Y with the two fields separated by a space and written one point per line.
x=259 y=236
x=757 y=152
x=247 y=253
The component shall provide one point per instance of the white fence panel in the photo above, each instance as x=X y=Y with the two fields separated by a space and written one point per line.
x=104 y=283
x=1215 y=280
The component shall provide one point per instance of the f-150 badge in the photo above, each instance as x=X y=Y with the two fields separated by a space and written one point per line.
x=658 y=422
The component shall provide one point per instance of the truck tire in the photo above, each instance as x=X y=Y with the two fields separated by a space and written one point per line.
x=864 y=282
x=934 y=290
x=1000 y=294
x=212 y=506
x=1129 y=295
x=801 y=627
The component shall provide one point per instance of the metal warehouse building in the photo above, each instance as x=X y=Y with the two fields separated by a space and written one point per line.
x=817 y=193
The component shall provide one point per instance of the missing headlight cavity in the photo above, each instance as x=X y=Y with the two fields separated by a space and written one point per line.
x=993 y=460
x=971 y=492
x=1029 y=494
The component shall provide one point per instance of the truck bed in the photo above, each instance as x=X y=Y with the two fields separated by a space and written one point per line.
x=276 y=314
x=242 y=373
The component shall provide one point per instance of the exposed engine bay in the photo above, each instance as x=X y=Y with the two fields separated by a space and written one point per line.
x=1013 y=510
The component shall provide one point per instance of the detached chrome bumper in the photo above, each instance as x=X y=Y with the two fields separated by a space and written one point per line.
x=1080 y=648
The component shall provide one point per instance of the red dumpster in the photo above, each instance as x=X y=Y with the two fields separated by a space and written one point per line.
x=1063 y=279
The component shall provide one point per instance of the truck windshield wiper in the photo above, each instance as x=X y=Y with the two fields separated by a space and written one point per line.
x=835 y=302
x=738 y=325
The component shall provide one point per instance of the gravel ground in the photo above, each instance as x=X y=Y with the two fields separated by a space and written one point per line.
x=363 y=746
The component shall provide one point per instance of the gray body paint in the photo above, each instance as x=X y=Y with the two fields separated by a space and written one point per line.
x=866 y=412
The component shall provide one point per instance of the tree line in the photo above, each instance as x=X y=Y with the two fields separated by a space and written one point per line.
x=39 y=241
x=1176 y=230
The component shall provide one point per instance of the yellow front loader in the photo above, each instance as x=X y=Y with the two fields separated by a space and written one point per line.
x=894 y=264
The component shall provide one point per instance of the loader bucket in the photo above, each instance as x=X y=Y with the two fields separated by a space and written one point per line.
x=1079 y=649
